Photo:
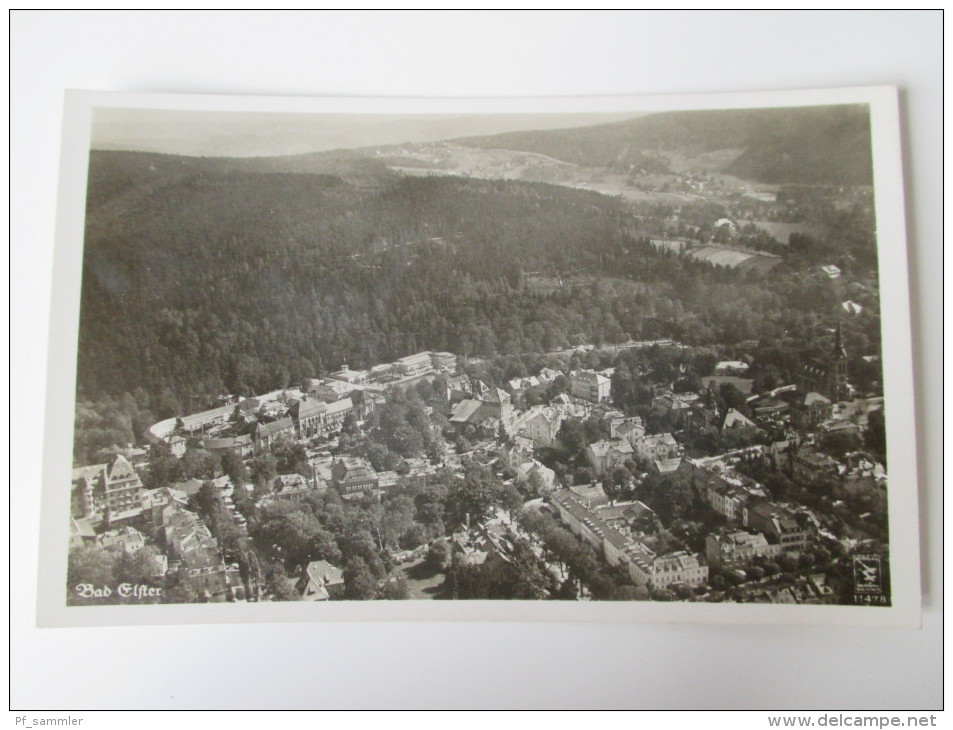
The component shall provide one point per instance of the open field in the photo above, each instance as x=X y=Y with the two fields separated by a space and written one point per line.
x=734 y=259
x=422 y=581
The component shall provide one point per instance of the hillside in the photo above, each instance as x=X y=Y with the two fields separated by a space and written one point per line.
x=811 y=145
x=199 y=277
x=206 y=276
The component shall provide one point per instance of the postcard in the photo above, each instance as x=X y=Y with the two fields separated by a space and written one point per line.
x=548 y=359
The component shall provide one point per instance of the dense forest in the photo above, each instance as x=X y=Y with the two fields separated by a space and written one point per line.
x=209 y=276
x=809 y=145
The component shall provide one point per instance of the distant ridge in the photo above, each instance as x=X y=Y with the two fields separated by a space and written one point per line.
x=828 y=145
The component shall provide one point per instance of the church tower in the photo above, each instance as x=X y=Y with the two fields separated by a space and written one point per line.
x=837 y=368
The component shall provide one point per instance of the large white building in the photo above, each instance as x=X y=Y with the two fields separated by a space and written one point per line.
x=420 y=363
x=444 y=361
x=738 y=547
x=590 y=386
x=605 y=455
x=543 y=426
x=655 y=447
x=644 y=566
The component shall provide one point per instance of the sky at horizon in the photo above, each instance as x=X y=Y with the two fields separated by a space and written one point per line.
x=262 y=134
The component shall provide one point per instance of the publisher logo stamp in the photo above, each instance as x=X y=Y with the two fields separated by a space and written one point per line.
x=867 y=575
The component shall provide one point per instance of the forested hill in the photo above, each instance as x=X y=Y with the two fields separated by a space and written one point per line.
x=114 y=172
x=807 y=145
x=203 y=278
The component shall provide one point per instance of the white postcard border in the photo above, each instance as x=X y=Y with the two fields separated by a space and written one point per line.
x=903 y=512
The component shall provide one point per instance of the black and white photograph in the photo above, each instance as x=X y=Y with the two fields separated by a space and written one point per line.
x=455 y=360
x=629 y=358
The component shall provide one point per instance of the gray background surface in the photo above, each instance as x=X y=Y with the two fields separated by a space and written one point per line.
x=465 y=54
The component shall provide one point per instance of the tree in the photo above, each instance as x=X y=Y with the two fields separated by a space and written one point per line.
x=440 y=555
x=180 y=591
x=350 y=425
x=415 y=536
x=359 y=543
x=572 y=438
x=140 y=568
x=689 y=383
x=876 y=437
x=277 y=583
x=234 y=467
x=838 y=443
x=93 y=567
x=732 y=397
x=584 y=475
x=430 y=505
x=523 y=577
x=615 y=481
x=164 y=468
x=670 y=498
x=292 y=533
x=359 y=583
x=787 y=562
x=559 y=386
x=395 y=589
x=755 y=572
x=474 y=497
x=771 y=567
x=683 y=591
x=290 y=457
x=263 y=470
x=323 y=546
x=629 y=593
x=200 y=464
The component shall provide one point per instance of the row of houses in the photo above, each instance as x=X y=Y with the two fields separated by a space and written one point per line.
x=644 y=566
x=351 y=477
x=792 y=528
x=656 y=449
x=190 y=544
x=250 y=425
x=733 y=548
x=410 y=366
x=306 y=418
x=191 y=552
x=491 y=404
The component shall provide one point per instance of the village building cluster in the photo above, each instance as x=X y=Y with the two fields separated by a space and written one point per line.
x=746 y=523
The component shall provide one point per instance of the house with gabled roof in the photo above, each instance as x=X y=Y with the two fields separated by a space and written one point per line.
x=736 y=547
x=105 y=492
x=309 y=416
x=656 y=446
x=353 y=476
x=545 y=475
x=81 y=533
x=794 y=529
x=320 y=581
x=605 y=455
x=631 y=429
x=814 y=409
x=735 y=419
x=591 y=386
x=542 y=426
x=241 y=445
x=265 y=434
